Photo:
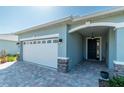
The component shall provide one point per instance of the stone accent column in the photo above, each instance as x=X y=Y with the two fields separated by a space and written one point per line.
x=103 y=82
x=63 y=65
x=119 y=68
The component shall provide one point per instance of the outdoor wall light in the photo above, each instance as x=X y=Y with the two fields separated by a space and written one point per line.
x=60 y=40
x=114 y=29
x=92 y=36
x=18 y=43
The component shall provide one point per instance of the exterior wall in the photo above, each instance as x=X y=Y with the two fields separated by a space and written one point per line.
x=107 y=49
x=111 y=48
x=119 y=62
x=57 y=29
x=120 y=44
x=10 y=46
x=84 y=47
x=75 y=49
x=74 y=44
x=104 y=47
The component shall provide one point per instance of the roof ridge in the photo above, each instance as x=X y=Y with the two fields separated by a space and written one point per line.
x=48 y=23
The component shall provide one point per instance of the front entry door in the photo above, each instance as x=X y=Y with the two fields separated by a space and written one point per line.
x=92 y=47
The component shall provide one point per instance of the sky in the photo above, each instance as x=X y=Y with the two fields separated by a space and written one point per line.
x=17 y=18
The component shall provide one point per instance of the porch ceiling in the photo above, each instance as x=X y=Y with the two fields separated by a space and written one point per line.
x=101 y=30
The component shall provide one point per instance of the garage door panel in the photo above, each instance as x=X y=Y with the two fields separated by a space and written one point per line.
x=44 y=54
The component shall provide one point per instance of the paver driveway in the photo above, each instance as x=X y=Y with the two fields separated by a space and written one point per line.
x=22 y=74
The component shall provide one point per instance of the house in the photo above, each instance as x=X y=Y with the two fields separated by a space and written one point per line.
x=8 y=43
x=65 y=42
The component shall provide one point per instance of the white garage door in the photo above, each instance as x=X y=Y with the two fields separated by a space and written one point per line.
x=44 y=52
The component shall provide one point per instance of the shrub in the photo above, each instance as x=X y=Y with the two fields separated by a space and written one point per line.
x=3 y=59
x=116 y=82
x=3 y=52
x=11 y=58
x=7 y=57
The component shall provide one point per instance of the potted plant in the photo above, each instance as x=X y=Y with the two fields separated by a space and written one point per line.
x=104 y=74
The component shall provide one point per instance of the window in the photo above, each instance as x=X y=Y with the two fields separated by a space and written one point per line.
x=39 y=42
x=48 y=41
x=34 y=42
x=24 y=43
x=27 y=42
x=98 y=48
x=43 y=41
x=31 y=42
x=55 y=41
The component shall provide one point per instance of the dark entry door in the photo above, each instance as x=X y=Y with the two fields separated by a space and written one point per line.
x=92 y=47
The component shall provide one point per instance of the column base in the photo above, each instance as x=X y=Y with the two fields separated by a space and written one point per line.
x=119 y=68
x=63 y=65
x=103 y=82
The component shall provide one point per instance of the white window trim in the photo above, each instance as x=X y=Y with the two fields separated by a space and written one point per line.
x=41 y=37
x=100 y=47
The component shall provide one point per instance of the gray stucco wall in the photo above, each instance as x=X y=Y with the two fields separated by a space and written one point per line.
x=120 y=44
x=10 y=46
x=84 y=47
x=56 y=29
x=75 y=49
x=111 y=47
x=104 y=46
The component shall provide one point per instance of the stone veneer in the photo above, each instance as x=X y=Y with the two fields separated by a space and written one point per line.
x=103 y=82
x=119 y=68
x=63 y=65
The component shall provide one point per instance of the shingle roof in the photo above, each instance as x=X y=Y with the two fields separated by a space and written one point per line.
x=73 y=19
